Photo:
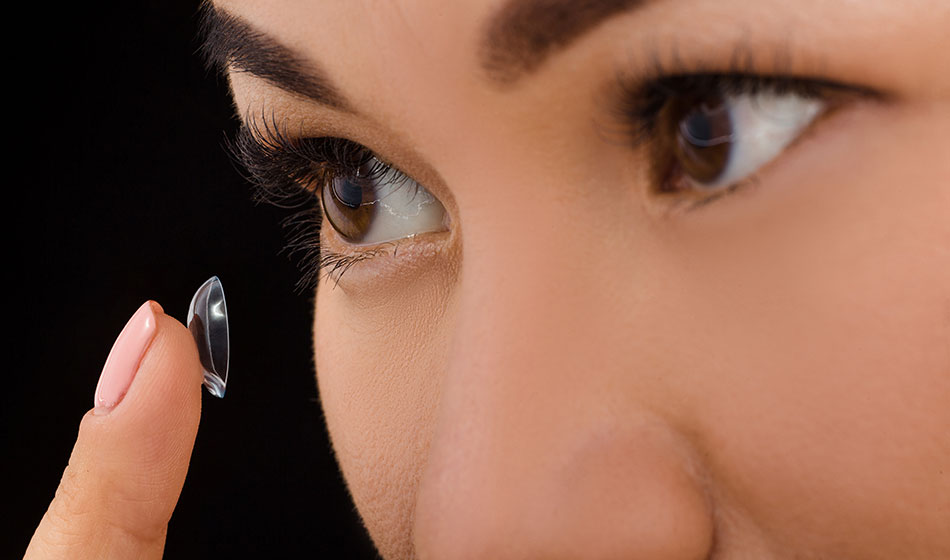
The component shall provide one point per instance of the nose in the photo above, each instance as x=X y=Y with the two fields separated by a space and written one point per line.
x=543 y=446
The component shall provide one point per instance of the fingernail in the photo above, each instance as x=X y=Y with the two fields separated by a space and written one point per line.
x=208 y=323
x=123 y=360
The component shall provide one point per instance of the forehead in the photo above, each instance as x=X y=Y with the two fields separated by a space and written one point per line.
x=508 y=38
x=388 y=58
x=347 y=36
x=411 y=65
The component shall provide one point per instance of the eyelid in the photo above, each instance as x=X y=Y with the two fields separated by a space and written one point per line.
x=637 y=101
x=386 y=146
x=288 y=171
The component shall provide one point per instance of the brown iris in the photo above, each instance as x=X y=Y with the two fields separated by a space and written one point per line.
x=696 y=134
x=349 y=204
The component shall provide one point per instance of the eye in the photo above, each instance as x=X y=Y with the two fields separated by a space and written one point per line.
x=379 y=203
x=713 y=140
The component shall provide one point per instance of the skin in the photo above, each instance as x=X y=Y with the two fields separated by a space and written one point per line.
x=572 y=370
x=578 y=368
x=128 y=466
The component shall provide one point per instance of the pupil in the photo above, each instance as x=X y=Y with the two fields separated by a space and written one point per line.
x=348 y=203
x=699 y=128
x=705 y=140
x=347 y=192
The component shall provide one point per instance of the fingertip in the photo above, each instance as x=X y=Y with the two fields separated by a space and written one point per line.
x=168 y=382
x=156 y=307
x=151 y=431
x=129 y=462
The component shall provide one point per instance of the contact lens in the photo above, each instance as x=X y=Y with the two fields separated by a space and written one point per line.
x=208 y=323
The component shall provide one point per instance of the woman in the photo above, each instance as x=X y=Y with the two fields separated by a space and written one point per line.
x=601 y=279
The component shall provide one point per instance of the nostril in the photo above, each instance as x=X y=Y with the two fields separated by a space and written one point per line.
x=599 y=494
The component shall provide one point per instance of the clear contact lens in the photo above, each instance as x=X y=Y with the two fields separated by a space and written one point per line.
x=208 y=323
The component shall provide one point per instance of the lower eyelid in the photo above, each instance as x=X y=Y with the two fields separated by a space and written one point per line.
x=374 y=263
x=837 y=109
x=334 y=265
x=288 y=171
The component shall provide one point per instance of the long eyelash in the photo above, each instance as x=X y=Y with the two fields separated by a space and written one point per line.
x=288 y=173
x=666 y=75
x=639 y=104
x=335 y=265
x=640 y=97
x=303 y=243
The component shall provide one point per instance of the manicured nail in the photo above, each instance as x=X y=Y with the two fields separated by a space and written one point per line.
x=208 y=323
x=124 y=359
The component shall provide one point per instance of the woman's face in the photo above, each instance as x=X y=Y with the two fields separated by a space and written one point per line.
x=672 y=279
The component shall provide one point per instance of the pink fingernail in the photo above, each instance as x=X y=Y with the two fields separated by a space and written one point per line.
x=123 y=360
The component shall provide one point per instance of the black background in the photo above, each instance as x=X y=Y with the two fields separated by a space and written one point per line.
x=118 y=190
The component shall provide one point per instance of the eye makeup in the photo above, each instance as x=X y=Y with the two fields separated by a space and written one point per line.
x=707 y=133
x=693 y=125
x=286 y=170
x=369 y=204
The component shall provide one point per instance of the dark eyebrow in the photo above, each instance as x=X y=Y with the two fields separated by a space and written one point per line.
x=521 y=34
x=228 y=43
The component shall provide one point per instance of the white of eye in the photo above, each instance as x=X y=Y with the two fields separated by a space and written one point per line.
x=403 y=208
x=763 y=125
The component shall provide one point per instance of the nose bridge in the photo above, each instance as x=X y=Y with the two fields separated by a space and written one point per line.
x=536 y=454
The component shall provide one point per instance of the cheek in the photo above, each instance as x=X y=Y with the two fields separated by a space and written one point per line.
x=378 y=361
x=799 y=335
x=829 y=392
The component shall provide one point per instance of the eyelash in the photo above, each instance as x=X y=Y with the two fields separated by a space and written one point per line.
x=640 y=101
x=288 y=171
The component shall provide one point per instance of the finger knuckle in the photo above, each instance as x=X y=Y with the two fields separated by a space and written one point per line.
x=66 y=517
x=68 y=505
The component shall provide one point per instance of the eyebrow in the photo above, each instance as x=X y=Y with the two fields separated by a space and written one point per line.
x=516 y=40
x=228 y=43
x=522 y=34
